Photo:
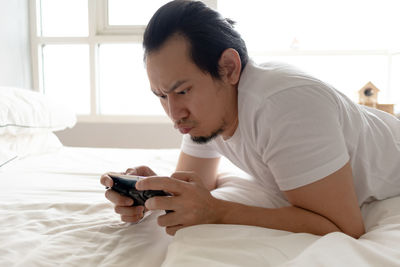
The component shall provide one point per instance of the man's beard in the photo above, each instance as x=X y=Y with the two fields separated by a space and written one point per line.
x=206 y=139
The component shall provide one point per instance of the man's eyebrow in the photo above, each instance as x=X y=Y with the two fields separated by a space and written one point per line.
x=172 y=88
x=176 y=85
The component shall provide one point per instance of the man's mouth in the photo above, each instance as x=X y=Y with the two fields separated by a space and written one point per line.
x=184 y=126
x=184 y=130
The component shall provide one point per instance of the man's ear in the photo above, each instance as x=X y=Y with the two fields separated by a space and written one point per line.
x=230 y=66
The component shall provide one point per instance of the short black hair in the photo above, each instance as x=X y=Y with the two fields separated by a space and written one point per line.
x=207 y=32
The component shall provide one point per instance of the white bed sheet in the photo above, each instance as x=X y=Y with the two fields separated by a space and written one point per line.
x=53 y=213
x=234 y=245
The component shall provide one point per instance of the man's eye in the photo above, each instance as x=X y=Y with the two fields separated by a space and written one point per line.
x=160 y=95
x=184 y=91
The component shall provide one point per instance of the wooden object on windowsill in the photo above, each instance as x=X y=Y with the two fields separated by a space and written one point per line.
x=368 y=96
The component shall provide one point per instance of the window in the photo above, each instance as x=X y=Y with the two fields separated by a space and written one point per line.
x=89 y=53
x=123 y=82
x=66 y=74
x=345 y=43
x=128 y=12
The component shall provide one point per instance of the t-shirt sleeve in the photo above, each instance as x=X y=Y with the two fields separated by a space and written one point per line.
x=198 y=150
x=304 y=141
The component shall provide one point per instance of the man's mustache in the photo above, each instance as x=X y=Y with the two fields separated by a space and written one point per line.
x=184 y=123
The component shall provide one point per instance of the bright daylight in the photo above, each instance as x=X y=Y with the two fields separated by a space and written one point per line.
x=200 y=133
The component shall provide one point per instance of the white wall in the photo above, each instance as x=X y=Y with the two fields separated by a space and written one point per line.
x=122 y=135
x=15 y=63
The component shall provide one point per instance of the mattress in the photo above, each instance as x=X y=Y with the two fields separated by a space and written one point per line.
x=53 y=213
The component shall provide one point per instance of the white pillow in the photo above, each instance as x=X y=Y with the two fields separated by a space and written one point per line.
x=24 y=111
x=13 y=147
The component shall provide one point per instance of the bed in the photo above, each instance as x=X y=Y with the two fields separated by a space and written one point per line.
x=53 y=211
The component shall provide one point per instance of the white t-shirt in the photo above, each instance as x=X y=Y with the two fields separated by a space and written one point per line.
x=294 y=130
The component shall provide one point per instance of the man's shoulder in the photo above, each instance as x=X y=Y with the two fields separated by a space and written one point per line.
x=278 y=88
x=263 y=80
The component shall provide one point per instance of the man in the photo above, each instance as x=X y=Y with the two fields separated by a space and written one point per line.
x=296 y=135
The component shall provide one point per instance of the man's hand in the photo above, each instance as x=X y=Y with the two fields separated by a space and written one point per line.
x=122 y=204
x=191 y=202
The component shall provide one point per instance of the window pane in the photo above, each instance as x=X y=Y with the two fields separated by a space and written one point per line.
x=348 y=74
x=64 y=17
x=132 y=12
x=66 y=75
x=124 y=87
x=315 y=24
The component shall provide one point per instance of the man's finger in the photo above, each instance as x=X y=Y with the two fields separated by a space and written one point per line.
x=171 y=230
x=167 y=184
x=106 y=180
x=169 y=219
x=140 y=171
x=131 y=171
x=129 y=211
x=187 y=176
x=117 y=198
x=161 y=203
x=131 y=219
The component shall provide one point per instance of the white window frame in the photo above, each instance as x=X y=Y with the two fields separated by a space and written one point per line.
x=100 y=32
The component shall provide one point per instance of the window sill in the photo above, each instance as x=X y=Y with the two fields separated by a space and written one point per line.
x=128 y=119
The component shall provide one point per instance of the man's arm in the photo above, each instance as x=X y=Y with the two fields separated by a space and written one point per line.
x=206 y=168
x=325 y=206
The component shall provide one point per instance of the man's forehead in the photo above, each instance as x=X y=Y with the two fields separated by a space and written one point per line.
x=175 y=46
x=166 y=74
x=169 y=88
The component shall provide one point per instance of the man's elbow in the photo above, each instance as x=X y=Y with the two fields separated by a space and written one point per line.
x=356 y=231
x=357 y=234
x=353 y=234
x=211 y=186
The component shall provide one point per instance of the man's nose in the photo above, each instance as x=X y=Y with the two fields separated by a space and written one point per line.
x=177 y=110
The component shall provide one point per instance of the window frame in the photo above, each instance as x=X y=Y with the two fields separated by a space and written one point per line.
x=100 y=32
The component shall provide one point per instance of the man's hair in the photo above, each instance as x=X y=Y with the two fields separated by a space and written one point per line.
x=206 y=31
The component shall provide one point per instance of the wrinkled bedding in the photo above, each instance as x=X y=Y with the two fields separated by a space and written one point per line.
x=53 y=212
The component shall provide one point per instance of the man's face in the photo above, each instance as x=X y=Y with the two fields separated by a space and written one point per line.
x=197 y=104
